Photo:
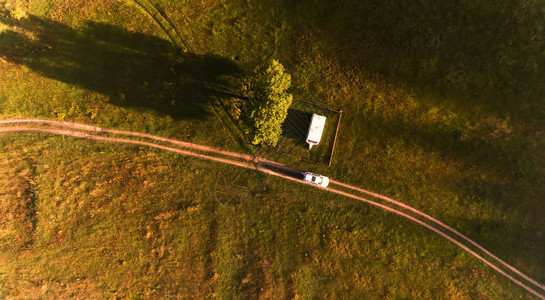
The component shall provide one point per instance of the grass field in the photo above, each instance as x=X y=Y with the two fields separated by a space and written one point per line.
x=443 y=109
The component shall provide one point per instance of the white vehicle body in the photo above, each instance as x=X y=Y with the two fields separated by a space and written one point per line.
x=316 y=179
x=315 y=130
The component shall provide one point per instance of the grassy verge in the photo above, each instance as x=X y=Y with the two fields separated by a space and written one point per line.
x=133 y=222
x=442 y=110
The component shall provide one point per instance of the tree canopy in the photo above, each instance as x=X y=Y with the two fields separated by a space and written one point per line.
x=268 y=104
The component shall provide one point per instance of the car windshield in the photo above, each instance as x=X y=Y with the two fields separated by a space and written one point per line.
x=314 y=178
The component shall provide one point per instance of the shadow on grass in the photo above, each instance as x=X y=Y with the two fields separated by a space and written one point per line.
x=296 y=125
x=284 y=170
x=485 y=53
x=132 y=69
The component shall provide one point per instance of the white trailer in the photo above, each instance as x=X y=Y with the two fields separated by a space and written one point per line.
x=315 y=130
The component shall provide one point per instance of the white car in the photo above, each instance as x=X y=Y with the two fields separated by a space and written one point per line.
x=316 y=179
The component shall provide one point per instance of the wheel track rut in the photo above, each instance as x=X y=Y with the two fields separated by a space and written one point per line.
x=252 y=162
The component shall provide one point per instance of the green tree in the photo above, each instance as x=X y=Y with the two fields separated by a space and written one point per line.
x=268 y=103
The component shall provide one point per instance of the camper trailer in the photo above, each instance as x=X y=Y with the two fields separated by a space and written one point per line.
x=315 y=130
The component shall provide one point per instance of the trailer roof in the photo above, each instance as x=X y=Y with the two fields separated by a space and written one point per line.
x=316 y=129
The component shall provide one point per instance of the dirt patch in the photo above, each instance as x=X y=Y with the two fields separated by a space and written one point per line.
x=17 y=203
x=249 y=165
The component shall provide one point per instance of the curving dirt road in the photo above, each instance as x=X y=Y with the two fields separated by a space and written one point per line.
x=444 y=226
x=256 y=163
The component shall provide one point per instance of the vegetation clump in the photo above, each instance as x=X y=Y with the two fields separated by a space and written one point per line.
x=268 y=104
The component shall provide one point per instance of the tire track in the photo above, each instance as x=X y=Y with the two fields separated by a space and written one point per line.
x=253 y=163
x=159 y=17
x=163 y=22
x=135 y=134
x=84 y=135
x=188 y=145
x=443 y=225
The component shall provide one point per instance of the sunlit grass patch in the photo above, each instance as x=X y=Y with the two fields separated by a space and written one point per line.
x=427 y=119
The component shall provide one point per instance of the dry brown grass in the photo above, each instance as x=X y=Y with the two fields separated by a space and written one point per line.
x=137 y=233
x=17 y=207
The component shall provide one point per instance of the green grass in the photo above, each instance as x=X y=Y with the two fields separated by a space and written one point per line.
x=294 y=143
x=442 y=109
x=130 y=221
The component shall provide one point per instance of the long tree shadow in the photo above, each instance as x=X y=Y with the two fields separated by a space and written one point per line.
x=132 y=69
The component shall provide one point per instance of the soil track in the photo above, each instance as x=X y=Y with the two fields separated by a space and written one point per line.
x=443 y=225
x=252 y=162
x=135 y=134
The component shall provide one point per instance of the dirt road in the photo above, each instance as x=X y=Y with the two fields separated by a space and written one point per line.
x=267 y=166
